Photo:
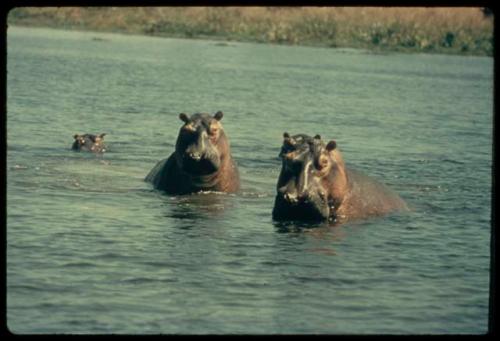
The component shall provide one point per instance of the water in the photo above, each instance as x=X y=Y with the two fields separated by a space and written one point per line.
x=92 y=248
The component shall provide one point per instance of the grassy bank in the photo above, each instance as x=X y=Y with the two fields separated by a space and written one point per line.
x=442 y=30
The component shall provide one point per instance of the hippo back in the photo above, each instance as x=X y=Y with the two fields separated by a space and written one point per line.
x=369 y=197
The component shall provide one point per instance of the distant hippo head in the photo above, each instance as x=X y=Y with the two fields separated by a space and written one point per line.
x=304 y=184
x=89 y=142
x=201 y=143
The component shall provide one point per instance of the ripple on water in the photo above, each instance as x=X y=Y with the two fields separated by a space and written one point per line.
x=92 y=248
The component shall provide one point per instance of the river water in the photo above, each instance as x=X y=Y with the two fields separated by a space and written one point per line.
x=92 y=248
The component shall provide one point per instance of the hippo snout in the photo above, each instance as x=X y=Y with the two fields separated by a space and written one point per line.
x=194 y=156
x=296 y=198
x=291 y=198
x=293 y=206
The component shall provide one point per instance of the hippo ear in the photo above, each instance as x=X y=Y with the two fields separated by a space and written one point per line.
x=288 y=140
x=76 y=136
x=184 y=118
x=218 y=115
x=101 y=136
x=331 y=145
x=317 y=137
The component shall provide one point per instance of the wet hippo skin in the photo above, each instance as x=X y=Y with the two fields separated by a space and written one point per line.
x=315 y=185
x=89 y=143
x=201 y=161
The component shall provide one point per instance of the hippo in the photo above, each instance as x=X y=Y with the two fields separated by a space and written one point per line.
x=201 y=161
x=89 y=142
x=315 y=185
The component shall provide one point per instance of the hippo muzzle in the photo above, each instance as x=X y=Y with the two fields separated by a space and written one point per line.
x=196 y=151
x=309 y=204
x=200 y=162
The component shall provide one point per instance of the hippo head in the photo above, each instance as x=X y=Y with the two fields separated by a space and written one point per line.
x=201 y=143
x=304 y=183
x=89 y=142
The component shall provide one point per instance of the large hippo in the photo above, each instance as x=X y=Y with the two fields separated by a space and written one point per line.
x=89 y=143
x=314 y=184
x=201 y=161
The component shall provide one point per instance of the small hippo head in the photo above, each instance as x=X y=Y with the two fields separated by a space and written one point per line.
x=89 y=142
x=304 y=185
x=201 y=143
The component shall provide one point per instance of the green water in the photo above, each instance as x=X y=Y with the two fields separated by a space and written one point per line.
x=92 y=248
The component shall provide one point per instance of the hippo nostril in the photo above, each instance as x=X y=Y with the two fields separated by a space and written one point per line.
x=195 y=156
x=291 y=198
x=302 y=197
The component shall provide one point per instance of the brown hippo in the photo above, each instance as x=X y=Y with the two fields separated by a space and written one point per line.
x=201 y=161
x=89 y=142
x=314 y=184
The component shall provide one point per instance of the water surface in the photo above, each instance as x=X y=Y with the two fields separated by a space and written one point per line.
x=92 y=248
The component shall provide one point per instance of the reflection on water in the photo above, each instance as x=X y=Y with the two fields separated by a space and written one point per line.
x=198 y=206
x=92 y=248
x=299 y=226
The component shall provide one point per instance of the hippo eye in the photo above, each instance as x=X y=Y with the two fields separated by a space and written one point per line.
x=322 y=162
x=213 y=130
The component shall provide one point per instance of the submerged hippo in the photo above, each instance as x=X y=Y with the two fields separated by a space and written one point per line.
x=314 y=184
x=89 y=142
x=201 y=161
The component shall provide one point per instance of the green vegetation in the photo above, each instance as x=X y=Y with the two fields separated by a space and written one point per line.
x=420 y=29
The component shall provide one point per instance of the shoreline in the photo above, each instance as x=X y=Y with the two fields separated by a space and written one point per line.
x=222 y=41
x=380 y=33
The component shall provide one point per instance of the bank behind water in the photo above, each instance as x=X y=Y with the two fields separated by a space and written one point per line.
x=431 y=30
